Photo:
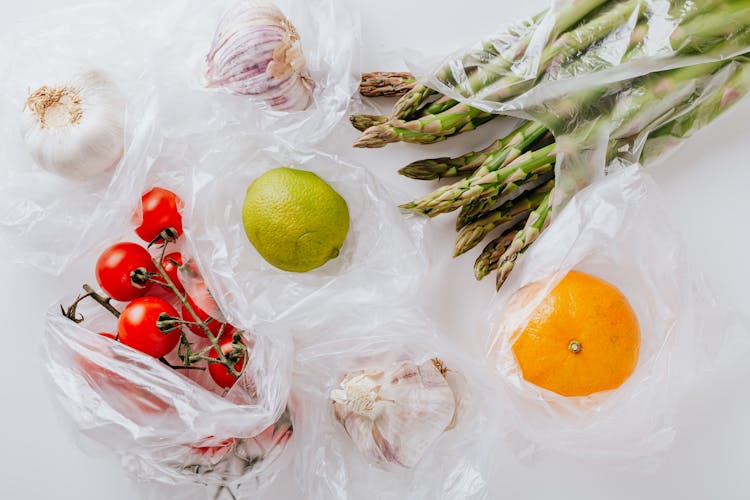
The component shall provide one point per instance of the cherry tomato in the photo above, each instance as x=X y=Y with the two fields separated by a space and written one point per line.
x=209 y=448
x=220 y=373
x=108 y=335
x=213 y=324
x=171 y=263
x=137 y=326
x=161 y=211
x=122 y=271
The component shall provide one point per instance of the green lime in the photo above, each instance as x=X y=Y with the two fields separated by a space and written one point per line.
x=295 y=220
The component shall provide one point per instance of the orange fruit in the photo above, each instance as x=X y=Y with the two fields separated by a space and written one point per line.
x=582 y=338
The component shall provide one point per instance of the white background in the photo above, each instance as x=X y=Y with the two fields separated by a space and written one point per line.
x=705 y=183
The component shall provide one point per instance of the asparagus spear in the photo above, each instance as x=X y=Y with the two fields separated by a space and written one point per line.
x=438 y=168
x=537 y=221
x=506 y=214
x=490 y=256
x=703 y=113
x=566 y=17
x=478 y=207
x=703 y=32
x=378 y=84
x=699 y=23
x=485 y=182
x=363 y=122
x=425 y=130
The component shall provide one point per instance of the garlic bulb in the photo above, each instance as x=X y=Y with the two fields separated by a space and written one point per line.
x=256 y=51
x=75 y=128
x=394 y=416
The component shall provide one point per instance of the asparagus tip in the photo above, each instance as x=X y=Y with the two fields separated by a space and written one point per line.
x=422 y=170
x=376 y=137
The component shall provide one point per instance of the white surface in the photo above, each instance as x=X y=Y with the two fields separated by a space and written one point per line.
x=705 y=182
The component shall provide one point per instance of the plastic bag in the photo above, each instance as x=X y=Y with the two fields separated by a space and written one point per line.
x=604 y=76
x=46 y=220
x=380 y=262
x=616 y=230
x=329 y=34
x=166 y=425
x=328 y=462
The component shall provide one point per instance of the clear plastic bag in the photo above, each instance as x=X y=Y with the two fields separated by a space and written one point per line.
x=46 y=220
x=618 y=231
x=329 y=464
x=616 y=82
x=380 y=262
x=329 y=34
x=166 y=425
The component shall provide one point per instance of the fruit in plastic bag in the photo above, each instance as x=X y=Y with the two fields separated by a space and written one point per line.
x=295 y=220
x=582 y=338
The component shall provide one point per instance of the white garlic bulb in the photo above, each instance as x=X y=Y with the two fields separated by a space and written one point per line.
x=393 y=416
x=256 y=51
x=75 y=128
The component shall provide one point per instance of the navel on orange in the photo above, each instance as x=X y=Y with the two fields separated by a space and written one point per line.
x=581 y=339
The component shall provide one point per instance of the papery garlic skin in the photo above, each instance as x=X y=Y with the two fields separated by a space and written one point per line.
x=75 y=128
x=256 y=51
x=394 y=416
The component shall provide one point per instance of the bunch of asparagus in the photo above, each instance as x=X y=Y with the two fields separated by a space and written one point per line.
x=505 y=190
x=423 y=116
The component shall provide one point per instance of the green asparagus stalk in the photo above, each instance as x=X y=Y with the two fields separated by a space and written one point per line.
x=703 y=113
x=566 y=45
x=537 y=221
x=506 y=214
x=384 y=84
x=445 y=122
x=439 y=168
x=478 y=207
x=703 y=32
x=490 y=256
x=485 y=182
x=426 y=130
x=363 y=122
x=568 y=16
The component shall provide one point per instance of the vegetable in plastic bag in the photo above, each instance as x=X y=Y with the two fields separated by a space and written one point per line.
x=416 y=449
x=328 y=34
x=45 y=219
x=164 y=424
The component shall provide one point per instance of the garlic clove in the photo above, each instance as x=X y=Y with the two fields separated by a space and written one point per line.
x=75 y=128
x=394 y=416
x=256 y=51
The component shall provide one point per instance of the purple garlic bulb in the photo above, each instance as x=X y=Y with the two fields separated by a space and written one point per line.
x=256 y=51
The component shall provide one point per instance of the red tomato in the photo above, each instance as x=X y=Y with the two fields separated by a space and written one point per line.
x=122 y=271
x=108 y=335
x=137 y=327
x=161 y=211
x=219 y=372
x=214 y=451
x=213 y=324
x=171 y=263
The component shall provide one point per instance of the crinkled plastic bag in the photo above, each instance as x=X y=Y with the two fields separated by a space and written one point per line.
x=329 y=34
x=381 y=260
x=616 y=230
x=615 y=81
x=165 y=424
x=47 y=220
x=328 y=465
